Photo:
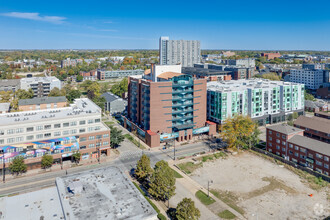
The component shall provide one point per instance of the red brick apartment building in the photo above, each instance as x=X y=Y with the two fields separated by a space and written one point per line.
x=314 y=127
x=288 y=142
x=171 y=107
x=322 y=115
x=271 y=56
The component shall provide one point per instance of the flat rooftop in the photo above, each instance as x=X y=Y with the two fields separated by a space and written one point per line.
x=104 y=193
x=42 y=100
x=80 y=107
x=284 y=129
x=32 y=206
x=48 y=79
x=243 y=84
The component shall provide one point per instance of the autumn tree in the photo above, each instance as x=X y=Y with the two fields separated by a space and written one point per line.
x=23 y=94
x=162 y=182
x=93 y=90
x=239 y=131
x=186 y=210
x=143 y=168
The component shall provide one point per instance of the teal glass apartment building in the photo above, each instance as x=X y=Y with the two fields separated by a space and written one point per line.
x=264 y=101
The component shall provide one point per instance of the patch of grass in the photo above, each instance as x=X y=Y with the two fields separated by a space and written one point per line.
x=160 y=216
x=229 y=198
x=135 y=142
x=189 y=167
x=147 y=198
x=226 y=214
x=212 y=157
x=109 y=123
x=204 y=198
x=176 y=174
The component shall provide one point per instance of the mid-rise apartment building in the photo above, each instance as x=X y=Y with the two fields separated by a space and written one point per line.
x=9 y=85
x=247 y=62
x=288 y=142
x=264 y=101
x=59 y=132
x=166 y=105
x=312 y=79
x=41 y=86
x=108 y=74
x=42 y=103
x=314 y=127
x=70 y=62
x=184 y=52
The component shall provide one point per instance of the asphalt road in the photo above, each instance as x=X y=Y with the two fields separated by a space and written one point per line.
x=129 y=155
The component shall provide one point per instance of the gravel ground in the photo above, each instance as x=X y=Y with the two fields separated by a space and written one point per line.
x=264 y=189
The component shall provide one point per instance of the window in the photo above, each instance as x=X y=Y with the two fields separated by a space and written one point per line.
x=326 y=166
x=326 y=158
x=66 y=142
x=66 y=124
x=97 y=120
x=98 y=136
x=294 y=160
x=105 y=143
x=19 y=130
x=82 y=139
x=74 y=131
x=105 y=135
x=19 y=139
x=82 y=122
x=270 y=132
x=303 y=150
x=296 y=154
x=283 y=148
x=73 y=123
x=40 y=136
x=82 y=130
x=39 y=127
x=319 y=156
x=29 y=129
x=91 y=145
x=57 y=125
x=2 y=132
x=11 y=131
x=283 y=136
x=48 y=134
x=283 y=142
x=10 y=140
x=91 y=137
x=290 y=152
x=57 y=133
x=91 y=129
x=278 y=147
x=2 y=141
x=277 y=134
x=318 y=162
x=302 y=157
x=83 y=147
x=278 y=141
x=270 y=138
x=65 y=132
x=296 y=147
x=48 y=126
x=57 y=143
x=290 y=145
x=97 y=128
x=98 y=144
x=90 y=121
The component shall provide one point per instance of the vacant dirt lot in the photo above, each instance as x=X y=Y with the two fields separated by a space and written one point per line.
x=262 y=189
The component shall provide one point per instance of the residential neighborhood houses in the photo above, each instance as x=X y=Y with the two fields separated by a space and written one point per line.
x=148 y=124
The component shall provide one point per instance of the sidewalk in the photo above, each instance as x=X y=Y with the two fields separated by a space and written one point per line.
x=193 y=187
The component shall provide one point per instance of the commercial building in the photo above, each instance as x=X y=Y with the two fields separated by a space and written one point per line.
x=288 y=142
x=264 y=101
x=184 y=52
x=41 y=86
x=105 y=74
x=104 y=193
x=203 y=71
x=166 y=104
x=9 y=85
x=239 y=72
x=271 y=56
x=59 y=132
x=113 y=103
x=313 y=66
x=312 y=79
x=314 y=127
x=42 y=103
x=247 y=62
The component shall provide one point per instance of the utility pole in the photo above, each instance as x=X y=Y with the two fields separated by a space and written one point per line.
x=174 y=147
x=3 y=166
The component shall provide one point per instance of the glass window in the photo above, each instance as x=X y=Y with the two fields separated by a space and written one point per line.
x=57 y=125
x=2 y=132
x=57 y=133
x=82 y=130
x=97 y=128
x=319 y=156
x=91 y=138
x=290 y=145
x=283 y=136
x=82 y=122
x=65 y=132
x=326 y=166
x=277 y=134
x=39 y=127
x=73 y=123
x=66 y=124
x=296 y=147
x=29 y=129
x=105 y=143
x=97 y=120
x=74 y=131
x=19 y=139
x=48 y=126
x=40 y=136
x=10 y=140
x=19 y=130
x=91 y=145
x=326 y=158
x=82 y=139
x=98 y=136
x=47 y=134
x=318 y=163
x=90 y=121
x=270 y=132
x=2 y=141
x=105 y=135
x=11 y=131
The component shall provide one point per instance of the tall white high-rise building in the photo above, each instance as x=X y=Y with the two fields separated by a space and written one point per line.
x=184 y=52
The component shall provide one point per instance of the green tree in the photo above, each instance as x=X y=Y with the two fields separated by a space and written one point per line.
x=76 y=157
x=56 y=92
x=143 y=169
x=308 y=96
x=119 y=88
x=93 y=90
x=162 y=182
x=71 y=72
x=23 y=94
x=5 y=96
x=79 y=78
x=46 y=161
x=73 y=94
x=85 y=85
x=239 y=131
x=18 y=166
x=100 y=101
x=116 y=137
x=186 y=210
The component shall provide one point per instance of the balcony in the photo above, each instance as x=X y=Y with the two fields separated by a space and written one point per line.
x=177 y=91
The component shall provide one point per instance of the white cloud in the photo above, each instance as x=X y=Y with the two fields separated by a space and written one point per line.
x=35 y=17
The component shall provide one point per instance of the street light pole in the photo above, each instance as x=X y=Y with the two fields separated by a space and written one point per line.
x=3 y=166
x=174 y=148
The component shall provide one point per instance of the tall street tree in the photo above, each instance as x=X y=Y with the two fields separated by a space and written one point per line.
x=18 y=166
x=162 y=182
x=143 y=169
x=186 y=210
x=116 y=137
x=46 y=161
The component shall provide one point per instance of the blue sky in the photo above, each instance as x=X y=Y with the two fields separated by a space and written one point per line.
x=249 y=24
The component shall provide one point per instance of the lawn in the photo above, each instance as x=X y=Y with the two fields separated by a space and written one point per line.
x=204 y=198
x=226 y=215
x=189 y=167
x=176 y=174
